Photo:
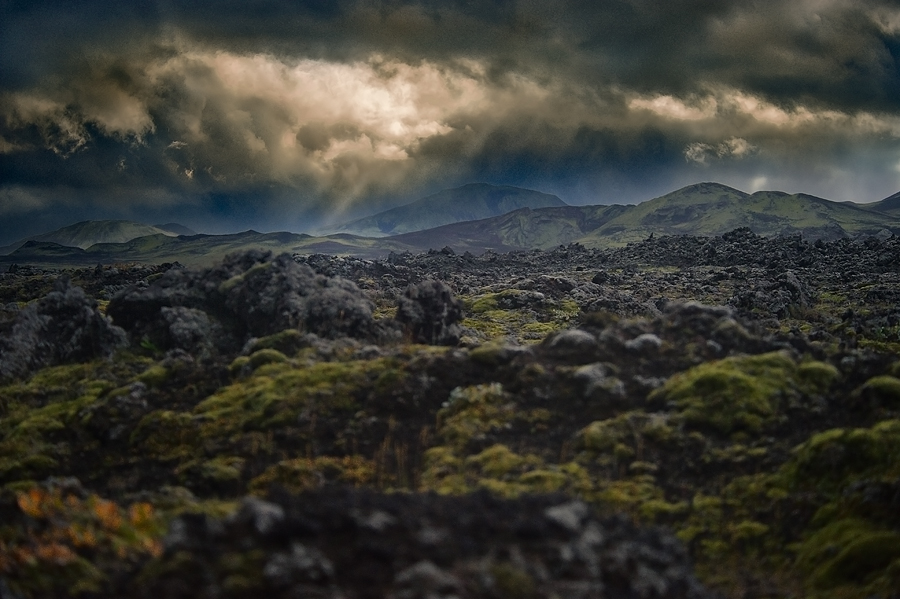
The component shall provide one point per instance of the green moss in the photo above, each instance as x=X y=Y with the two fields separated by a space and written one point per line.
x=266 y=356
x=302 y=474
x=154 y=376
x=221 y=469
x=616 y=435
x=33 y=439
x=600 y=436
x=277 y=392
x=849 y=551
x=818 y=375
x=489 y=321
x=165 y=435
x=885 y=390
x=489 y=354
x=389 y=378
x=498 y=461
x=734 y=394
x=288 y=342
x=236 y=280
x=568 y=308
x=655 y=510
x=483 y=304
x=544 y=480
x=641 y=467
x=487 y=329
x=59 y=376
x=510 y=582
x=630 y=495
x=538 y=330
x=238 y=365
x=830 y=459
x=472 y=412
x=442 y=471
x=747 y=530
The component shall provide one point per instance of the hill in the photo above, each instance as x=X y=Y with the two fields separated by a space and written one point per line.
x=196 y=250
x=712 y=209
x=889 y=205
x=518 y=230
x=469 y=202
x=705 y=209
x=90 y=232
x=176 y=229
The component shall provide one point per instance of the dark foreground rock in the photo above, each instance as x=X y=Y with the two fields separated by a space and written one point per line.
x=65 y=326
x=248 y=295
x=430 y=313
x=362 y=544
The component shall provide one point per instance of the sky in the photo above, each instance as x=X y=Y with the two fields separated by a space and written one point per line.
x=288 y=115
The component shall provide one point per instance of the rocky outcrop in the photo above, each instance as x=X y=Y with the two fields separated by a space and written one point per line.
x=247 y=295
x=344 y=543
x=64 y=326
x=430 y=313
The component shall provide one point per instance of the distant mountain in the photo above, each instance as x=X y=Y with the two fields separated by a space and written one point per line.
x=87 y=233
x=889 y=205
x=705 y=209
x=196 y=250
x=713 y=209
x=469 y=202
x=521 y=229
x=176 y=229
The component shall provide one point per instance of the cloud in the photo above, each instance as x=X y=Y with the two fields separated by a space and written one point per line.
x=17 y=199
x=735 y=147
x=314 y=107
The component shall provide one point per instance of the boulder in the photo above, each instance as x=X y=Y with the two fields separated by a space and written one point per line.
x=430 y=313
x=64 y=326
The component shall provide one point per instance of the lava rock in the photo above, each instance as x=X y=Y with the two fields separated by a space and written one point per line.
x=554 y=547
x=64 y=326
x=248 y=295
x=430 y=313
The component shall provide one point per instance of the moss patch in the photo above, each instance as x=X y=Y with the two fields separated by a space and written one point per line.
x=741 y=393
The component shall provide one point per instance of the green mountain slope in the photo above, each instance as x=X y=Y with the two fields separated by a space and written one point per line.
x=713 y=209
x=176 y=229
x=87 y=233
x=466 y=203
x=889 y=205
x=705 y=209
x=197 y=250
x=522 y=229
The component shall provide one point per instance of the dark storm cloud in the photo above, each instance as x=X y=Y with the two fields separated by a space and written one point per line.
x=300 y=109
x=838 y=53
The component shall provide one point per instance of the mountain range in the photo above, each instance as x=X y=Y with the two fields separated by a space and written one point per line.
x=535 y=221
x=87 y=233
x=469 y=202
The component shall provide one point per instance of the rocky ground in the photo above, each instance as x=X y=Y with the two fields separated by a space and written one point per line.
x=683 y=417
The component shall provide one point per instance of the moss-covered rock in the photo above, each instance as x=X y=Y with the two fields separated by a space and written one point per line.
x=301 y=474
x=741 y=393
x=881 y=391
x=471 y=413
x=831 y=459
x=847 y=552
